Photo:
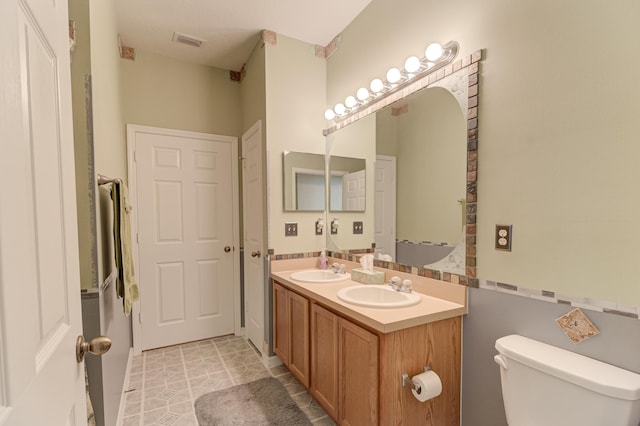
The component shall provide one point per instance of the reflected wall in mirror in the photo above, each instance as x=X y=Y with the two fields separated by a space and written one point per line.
x=347 y=184
x=425 y=134
x=303 y=181
x=425 y=177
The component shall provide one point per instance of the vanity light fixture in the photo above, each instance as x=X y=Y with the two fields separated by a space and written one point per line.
x=350 y=102
x=435 y=57
x=376 y=85
x=362 y=94
x=394 y=75
x=412 y=64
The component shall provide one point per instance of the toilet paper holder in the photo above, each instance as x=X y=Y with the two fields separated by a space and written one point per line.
x=406 y=380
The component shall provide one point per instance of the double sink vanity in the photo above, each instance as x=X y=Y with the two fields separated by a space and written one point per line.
x=349 y=344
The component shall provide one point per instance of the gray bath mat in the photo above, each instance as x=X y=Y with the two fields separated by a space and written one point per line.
x=264 y=402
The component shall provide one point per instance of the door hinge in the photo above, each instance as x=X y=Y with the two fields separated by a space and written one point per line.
x=140 y=317
x=137 y=238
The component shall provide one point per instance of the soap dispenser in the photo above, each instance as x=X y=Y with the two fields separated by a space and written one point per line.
x=323 y=262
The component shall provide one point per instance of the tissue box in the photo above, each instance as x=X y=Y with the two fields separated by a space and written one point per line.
x=367 y=277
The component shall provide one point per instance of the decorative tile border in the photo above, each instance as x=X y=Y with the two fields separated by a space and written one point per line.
x=553 y=297
x=292 y=255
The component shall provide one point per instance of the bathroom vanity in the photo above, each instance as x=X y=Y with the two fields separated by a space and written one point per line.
x=352 y=358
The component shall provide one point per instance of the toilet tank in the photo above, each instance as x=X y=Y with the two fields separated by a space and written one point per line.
x=545 y=385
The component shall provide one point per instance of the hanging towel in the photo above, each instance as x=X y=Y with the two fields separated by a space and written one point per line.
x=126 y=285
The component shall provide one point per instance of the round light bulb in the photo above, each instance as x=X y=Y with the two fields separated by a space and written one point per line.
x=433 y=52
x=393 y=75
x=350 y=102
x=362 y=94
x=412 y=64
x=329 y=114
x=339 y=109
x=376 y=85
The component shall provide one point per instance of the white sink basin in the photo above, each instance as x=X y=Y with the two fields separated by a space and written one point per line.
x=318 y=276
x=377 y=296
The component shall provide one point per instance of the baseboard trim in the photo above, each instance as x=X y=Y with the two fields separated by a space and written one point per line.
x=125 y=387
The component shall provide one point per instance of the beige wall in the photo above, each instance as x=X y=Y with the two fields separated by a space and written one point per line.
x=80 y=70
x=163 y=92
x=557 y=144
x=295 y=102
x=108 y=126
x=254 y=104
x=431 y=168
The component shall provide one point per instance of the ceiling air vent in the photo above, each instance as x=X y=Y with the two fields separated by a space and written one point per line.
x=187 y=39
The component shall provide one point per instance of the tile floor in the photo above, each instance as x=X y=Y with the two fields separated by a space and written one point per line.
x=164 y=383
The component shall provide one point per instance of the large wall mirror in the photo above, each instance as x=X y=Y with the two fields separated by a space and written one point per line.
x=303 y=180
x=347 y=184
x=420 y=186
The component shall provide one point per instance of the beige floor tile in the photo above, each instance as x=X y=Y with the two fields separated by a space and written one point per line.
x=165 y=383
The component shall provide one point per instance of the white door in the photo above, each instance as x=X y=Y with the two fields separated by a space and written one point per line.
x=41 y=383
x=353 y=191
x=185 y=223
x=385 y=205
x=254 y=217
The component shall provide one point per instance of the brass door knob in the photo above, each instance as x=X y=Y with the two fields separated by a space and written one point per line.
x=255 y=253
x=96 y=346
x=227 y=249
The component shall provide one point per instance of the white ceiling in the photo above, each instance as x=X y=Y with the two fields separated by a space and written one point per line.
x=231 y=28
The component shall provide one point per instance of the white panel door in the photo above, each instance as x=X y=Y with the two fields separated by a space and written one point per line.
x=385 y=205
x=254 y=217
x=185 y=226
x=41 y=383
x=353 y=191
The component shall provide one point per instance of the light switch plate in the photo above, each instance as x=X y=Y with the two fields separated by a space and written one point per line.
x=504 y=237
x=291 y=229
x=357 y=227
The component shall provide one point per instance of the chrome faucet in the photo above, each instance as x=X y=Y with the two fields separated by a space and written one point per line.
x=338 y=268
x=394 y=283
x=399 y=285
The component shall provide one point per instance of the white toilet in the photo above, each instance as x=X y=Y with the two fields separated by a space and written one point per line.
x=545 y=386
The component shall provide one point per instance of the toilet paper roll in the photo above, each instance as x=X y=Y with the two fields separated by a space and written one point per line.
x=428 y=386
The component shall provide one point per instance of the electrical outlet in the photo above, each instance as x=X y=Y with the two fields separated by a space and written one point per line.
x=357 y=227
x=504 y=237
x=291 y=229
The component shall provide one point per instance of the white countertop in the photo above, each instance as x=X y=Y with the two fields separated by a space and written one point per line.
x=384 y=320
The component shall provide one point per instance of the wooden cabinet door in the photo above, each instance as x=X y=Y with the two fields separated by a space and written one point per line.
x=357 y=375
x=299 y=337
x=324 y=359
x=281 y=323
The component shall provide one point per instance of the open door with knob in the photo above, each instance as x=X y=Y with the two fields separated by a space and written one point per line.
x=41 y=381
x=253 y=215
x=97 y=346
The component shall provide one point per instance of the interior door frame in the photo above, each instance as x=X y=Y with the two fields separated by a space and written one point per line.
x=132 y=130
x=390 y=198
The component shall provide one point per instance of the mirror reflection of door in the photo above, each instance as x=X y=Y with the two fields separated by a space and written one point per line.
x=353 y=194
x=303 y=183
x=309 y=190
x=347 y=191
